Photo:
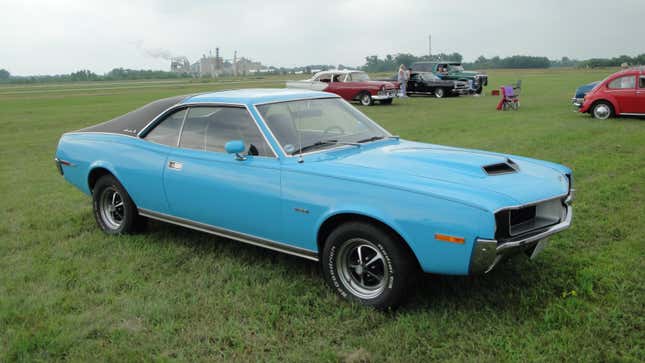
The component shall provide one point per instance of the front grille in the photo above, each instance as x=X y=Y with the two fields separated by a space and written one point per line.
x=529 y=219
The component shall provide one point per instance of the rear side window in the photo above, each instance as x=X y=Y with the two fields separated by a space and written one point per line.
x=210 y=128
x=641 y=82
x=167 y=131
x=622 y=82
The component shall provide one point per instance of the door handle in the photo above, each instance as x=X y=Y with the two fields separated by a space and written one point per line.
x=176 y=165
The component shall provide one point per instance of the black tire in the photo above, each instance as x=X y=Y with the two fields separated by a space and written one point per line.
x=439 y=93
x=114 y=210
x=366 y=99
x=383 y=255
x=479 y=90
x=602 y=110
x=386 y=102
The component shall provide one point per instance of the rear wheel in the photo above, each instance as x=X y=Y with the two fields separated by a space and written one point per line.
x=114 y=210
x=602 y=110
x=366 y=99
x=365 y=263
x=439 y=93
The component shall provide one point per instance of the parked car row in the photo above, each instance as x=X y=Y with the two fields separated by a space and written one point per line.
x=439 y=79
x=622 y=93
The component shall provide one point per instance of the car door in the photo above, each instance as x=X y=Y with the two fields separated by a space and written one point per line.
x=640 y=95
x=205 y=184
x=415 y=83
x=623 y=89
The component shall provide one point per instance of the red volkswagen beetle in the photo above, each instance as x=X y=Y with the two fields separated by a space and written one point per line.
x=622 y=93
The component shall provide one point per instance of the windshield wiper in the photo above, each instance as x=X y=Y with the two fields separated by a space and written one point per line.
x=321 y=143
x=374 y=138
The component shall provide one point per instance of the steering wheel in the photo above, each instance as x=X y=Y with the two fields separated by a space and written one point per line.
x=331 y=128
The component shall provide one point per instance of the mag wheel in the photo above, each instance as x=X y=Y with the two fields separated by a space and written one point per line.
x=364 y=263
x=366 y=99
x=439 y=93
x=114 y=211
x=602 y=111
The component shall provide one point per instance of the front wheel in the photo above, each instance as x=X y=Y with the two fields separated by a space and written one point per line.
x=602 y=111
x=114 y=210
x=365 y=263
x=439 y=93
x=366 y=99
x=386 y=102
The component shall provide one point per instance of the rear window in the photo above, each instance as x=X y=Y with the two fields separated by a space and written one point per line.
x=641 y=82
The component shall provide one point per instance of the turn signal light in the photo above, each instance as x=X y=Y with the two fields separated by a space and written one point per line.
x=446 y=238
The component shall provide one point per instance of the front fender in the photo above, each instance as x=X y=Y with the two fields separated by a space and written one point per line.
x=417 y=220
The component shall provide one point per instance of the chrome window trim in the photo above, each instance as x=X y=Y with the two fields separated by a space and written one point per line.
x=234 y=235
x=206 y=104
x=97 y=132
x=336 y=147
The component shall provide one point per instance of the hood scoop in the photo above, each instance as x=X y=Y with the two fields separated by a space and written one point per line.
x=506 y=167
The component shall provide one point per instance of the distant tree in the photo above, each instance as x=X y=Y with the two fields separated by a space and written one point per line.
x=4 y=74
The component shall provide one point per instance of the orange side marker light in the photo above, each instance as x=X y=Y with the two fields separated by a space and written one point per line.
x=446 y=238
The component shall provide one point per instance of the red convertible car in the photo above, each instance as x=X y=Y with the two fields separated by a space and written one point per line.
x=350 y=85
x=622 y=93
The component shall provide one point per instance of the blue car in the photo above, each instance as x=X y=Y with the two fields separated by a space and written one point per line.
x=579 y=96
x=305 y=173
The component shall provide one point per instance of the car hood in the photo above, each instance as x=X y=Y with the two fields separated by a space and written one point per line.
x=583 y=90
x=387 y=84
x=467 y=73
x=446 y=169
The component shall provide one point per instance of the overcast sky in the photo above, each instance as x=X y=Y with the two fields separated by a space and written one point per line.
x=61 y=36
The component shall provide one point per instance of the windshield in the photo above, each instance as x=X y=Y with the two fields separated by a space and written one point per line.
x=359 y=76
x=318 y=124
x=455 y=67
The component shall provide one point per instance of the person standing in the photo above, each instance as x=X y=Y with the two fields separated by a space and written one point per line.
x=402 y=78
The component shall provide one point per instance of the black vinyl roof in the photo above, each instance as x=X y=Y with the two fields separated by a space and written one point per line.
x=132 y=122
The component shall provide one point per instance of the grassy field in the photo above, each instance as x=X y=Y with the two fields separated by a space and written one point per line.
x=69 y=292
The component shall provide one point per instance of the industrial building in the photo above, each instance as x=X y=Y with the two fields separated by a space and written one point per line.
x=215 y=66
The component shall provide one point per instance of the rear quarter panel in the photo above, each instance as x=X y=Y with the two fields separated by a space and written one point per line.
x=136 y=163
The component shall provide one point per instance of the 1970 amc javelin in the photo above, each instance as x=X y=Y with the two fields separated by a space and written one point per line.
x=305 y=173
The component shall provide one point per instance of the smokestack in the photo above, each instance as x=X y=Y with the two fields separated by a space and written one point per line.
x=235 y=63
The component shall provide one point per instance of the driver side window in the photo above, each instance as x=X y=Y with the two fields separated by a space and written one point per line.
x=210 y=128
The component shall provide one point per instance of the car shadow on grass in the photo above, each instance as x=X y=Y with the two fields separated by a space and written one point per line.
x=516 y=286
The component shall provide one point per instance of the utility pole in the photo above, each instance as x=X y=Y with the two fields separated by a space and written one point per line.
x=430 y=45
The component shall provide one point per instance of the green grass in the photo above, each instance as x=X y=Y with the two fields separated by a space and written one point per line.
x=69 y=292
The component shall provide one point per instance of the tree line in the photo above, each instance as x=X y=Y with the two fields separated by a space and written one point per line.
x=116 y=74
x=391 y=62
x=373 y=63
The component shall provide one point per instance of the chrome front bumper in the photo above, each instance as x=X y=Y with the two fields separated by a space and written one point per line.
x=385 y=95
x=487 y=253
x=577 y=101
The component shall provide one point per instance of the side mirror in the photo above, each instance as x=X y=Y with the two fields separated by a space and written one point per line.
x=235 y=147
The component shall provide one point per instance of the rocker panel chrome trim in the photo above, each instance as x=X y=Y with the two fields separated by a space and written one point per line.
x=226 y=233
